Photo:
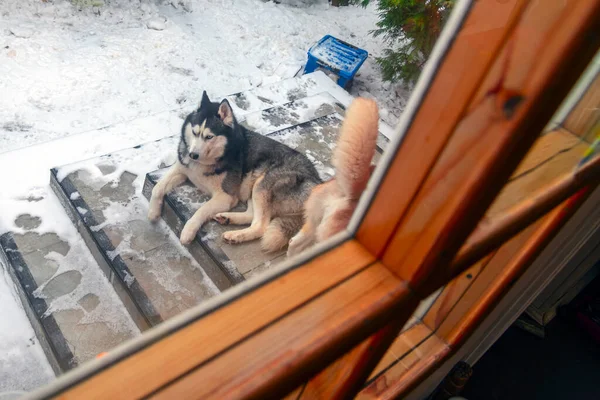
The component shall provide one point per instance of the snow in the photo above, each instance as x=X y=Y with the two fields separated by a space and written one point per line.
x=80 y=71
x=82 y=210
x=88 y=82
x=23 y=365
x=83 y=78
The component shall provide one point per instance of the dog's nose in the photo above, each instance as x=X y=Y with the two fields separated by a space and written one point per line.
x=194 y=156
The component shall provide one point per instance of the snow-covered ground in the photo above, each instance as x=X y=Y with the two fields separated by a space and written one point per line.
x=66 y=71
x=108 y=79
x=82 y=78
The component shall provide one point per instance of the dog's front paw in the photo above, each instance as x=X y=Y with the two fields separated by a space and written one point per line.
x=188 y=234
x=221 y=219
x=154 y=214
x=232 y=237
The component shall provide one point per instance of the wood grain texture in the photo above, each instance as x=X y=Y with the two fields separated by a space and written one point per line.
x=452 y=293
x=553 y=154
x=548 y=228
x=394 y=381
x=345 y=377
x=491 y=140
x=485 y=31
x=585 y=113
x=404 y=343
x=491 y=234
x=485 y=278
x=149 y=369
x=301 y=342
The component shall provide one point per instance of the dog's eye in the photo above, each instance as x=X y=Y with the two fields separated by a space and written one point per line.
x=208 y=137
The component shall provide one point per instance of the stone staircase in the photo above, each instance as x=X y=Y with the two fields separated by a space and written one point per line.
x=110 y=274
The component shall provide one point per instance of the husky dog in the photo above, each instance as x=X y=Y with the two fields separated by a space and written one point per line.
x=233 y=164
x=331 y=204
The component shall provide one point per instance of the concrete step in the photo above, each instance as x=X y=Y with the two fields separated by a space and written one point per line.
x=292 y=113
x=72 y=307
x=153 y=274
x=241 y=261
x=155 y=277
x=316 y=138
x=285 y=91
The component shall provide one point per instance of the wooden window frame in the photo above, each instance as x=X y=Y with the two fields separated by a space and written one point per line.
x=555 y=153
x=475 y=113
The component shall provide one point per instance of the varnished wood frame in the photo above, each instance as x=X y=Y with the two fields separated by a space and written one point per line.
x=340 y=296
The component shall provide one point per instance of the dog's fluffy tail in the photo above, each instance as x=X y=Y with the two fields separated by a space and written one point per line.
x=279 y=232
x=356 y=147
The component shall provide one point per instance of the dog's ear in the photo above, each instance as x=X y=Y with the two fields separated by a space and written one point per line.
x=205 y=102
x=226 y=113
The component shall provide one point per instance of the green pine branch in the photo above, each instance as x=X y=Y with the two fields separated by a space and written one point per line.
x=410 y=28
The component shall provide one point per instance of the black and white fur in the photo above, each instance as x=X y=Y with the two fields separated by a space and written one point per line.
x=233 y=164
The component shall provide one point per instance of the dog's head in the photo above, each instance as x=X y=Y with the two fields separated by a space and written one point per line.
x=208 y=133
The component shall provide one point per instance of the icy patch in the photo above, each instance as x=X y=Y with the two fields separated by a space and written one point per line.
x=75 y=196
x=179 y=251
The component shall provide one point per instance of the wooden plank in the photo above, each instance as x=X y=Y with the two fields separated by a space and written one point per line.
x=553 y=155
x=489 y=235
x=398 y=376
x=455 y=289
x=546 y=159
x=547 y=229
x=577 y=231
x=443 y=107
x=335 y=381
x=346 y=375
x=485 y=279
x=547 y=146
x=586 y=112
x=221 y=329
x=392 y=387
x=322 y=330
x=491 y=140
x=327 y=382
x=406 y=342
x=452 y=293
